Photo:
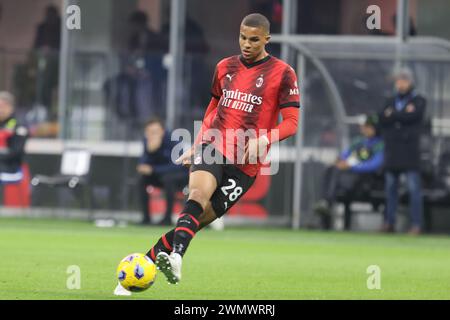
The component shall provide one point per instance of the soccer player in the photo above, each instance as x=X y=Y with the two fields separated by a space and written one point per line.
x=248 y=93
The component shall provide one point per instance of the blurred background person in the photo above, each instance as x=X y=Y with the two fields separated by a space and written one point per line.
x=47 y=43
x=355 y=165
x=143 y=67
x=48 y=33
x=134 y=91
x=196 y=50
x=13 y=137
x=401 y=122
x=142 y=40
x=35 y=79
x=157 y=169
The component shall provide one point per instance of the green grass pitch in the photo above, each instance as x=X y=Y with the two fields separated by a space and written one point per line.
x=238 y=263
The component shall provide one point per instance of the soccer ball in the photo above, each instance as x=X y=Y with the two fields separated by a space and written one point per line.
x=136 y=272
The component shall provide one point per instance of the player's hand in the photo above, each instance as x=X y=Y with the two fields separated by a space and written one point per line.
x=186 y=158
x=388 y=112
x=254 y=149
x=144 y=169
x=410 y=108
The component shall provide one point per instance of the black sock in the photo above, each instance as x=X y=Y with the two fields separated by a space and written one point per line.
x=187 y=226
x=164 y=244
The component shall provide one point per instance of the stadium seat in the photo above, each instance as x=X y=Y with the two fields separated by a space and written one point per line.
x=74 y=174
x=371 y=191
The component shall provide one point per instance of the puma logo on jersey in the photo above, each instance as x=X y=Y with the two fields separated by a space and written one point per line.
x=230 y=77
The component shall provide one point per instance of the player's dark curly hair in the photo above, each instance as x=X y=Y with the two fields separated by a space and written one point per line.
x=256 y=20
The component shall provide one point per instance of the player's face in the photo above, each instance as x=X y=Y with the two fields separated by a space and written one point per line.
x=6 y=110
x=252 y=42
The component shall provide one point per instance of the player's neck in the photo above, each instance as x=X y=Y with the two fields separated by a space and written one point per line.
x=258 y=58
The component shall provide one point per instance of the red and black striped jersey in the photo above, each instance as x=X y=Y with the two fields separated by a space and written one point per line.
x=250 y=99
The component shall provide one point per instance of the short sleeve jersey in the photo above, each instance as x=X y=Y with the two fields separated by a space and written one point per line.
x=250 y=99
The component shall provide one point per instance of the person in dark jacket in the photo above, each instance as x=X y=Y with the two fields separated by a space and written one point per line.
x=13 y=137
x=355 y=165
x=48 y=33
x=401 y=122
x=157 y=169
x=47 y=44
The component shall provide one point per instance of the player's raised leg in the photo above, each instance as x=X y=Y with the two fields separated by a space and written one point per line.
x=202 y=185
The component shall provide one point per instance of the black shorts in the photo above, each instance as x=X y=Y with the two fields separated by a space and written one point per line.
x=232 y=184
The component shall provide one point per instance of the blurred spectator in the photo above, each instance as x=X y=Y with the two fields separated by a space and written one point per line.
x=157 y=169
x=401 y=120
x=47 y=44
x=197 y=48
x=195 y=41
x=134 y=92
x=355 y=165
x=196 y=75
x=142 y=40
x=12 y=141
x=36 y=80
x=48 y=34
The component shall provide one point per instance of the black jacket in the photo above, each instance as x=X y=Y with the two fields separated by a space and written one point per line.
x=12 y=145
x=160 y=159
x=401 y=131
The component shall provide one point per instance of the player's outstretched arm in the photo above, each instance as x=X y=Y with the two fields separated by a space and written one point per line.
x=287 y=127
x=212 y=106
